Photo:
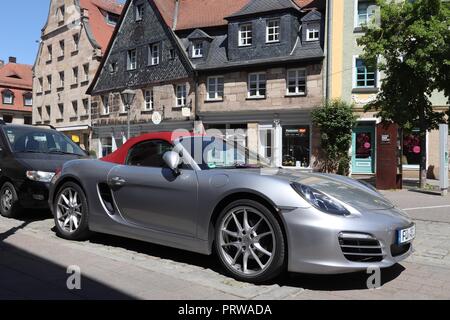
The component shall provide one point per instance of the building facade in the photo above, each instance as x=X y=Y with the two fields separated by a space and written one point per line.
x=250 y=70
x=16 y=92
x=72 y=44
x=355 y=82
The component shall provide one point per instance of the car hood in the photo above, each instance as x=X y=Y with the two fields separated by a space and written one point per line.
x=349 y=191
x=45 y=162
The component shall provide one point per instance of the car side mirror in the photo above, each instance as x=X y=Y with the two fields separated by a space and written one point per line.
x=172 y=160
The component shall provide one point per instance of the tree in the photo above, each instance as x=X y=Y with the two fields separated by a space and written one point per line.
x=410 y=45
x=336 y=120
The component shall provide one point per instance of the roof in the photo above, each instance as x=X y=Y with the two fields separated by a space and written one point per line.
x=16 y=75
x=261 y=6
x=101 y=30
x=194 y=14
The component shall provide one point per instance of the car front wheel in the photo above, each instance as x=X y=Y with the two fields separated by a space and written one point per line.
x=71 y=212
x=249 y=242
x=9 y=206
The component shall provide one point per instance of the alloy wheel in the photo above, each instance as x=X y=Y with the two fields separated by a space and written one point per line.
x=7 y=199
x=69 y=210
x=247 y=241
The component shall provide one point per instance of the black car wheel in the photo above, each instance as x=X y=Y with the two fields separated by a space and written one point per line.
x=70 y=210
x=9 y=206
x=249 y=242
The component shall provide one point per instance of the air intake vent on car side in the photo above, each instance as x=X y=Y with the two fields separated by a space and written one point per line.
x=358 y=247
x=106 y=197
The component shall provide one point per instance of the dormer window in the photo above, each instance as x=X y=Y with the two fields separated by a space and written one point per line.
x=153 y=54
x=139 y=12
x=245 y=35
x=8 y=97
x=131 y=60
x=312 y=34
x=197 y=49
x=273 y=30
x=112 y=18
x=28 y=99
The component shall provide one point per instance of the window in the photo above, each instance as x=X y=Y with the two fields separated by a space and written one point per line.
x=256 y=85
x=411 y=148
x=40 y=85
x=75 y=75
x=312 y=34
x=61 y=13
x=273 y=30
x=296 y=82
x=245 y=35
x=172 y=54
x=50 y=53
x=131 y=60
x=61 y=79
x=365 y=75
x=86 y=72
x=148 y=100
x=27 y=120
x=8 y=97
x=61 y=110
x=154 y=54
x=105 y=110
x=8 y=118
x=75 y=107
x=28 y=99
x=181 y=95
x=76 y=40
x=148 y=154
x=39 y=111
x=197 y=49
x=296 y=146
x=139 y=12
x=61 y=48
x=365 y=14
x=48 y=109
x=106 y=145
x=112 y=67
x=85 y=106
x=49 y=83
x=112 y=18
x=215 y=88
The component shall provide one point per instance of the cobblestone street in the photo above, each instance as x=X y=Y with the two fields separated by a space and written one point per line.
x=34 y=262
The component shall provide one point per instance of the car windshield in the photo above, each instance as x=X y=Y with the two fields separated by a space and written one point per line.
x=215 y=153
x=32 y=140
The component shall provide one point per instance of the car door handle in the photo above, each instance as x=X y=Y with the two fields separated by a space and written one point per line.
x=118 y=181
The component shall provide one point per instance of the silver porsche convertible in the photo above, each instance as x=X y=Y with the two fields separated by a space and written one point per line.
x=205 y=195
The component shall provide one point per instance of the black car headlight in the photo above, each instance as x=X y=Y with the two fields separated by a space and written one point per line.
x=320 y=200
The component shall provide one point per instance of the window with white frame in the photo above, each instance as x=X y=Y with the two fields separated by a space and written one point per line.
x=365 y=75
x=148 y=100
x=105 y=110
x=154 y=54
x=273 y=30
x=131 y=59
x=296 y=82
x=181 y=95
x=75 y=75
x=245 y=35
x=364 y=12
x=8 y=97
x=28 y=99
x=312 y=34
x=257 y=85
x=197 y=49
x=215 y=88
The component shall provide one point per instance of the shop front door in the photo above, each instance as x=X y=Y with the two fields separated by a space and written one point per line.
x=363 y=158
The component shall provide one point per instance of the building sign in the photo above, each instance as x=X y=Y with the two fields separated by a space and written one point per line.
x=156 y=118
x=186 y=112
x=386 y=139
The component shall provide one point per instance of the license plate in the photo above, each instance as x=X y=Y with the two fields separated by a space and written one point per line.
x=406 y=235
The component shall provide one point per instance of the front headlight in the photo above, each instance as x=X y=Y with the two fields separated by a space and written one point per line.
x=40 y=176
x=320 y=200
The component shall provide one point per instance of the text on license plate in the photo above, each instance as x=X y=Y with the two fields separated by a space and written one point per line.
x=406 y=235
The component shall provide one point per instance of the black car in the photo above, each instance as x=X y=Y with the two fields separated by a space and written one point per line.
x=29 y=158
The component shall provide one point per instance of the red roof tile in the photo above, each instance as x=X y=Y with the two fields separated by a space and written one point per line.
x=101 y=30
x=16 y=75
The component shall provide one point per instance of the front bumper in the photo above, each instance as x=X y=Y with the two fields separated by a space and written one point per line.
x=33 y=194
x=315 y=240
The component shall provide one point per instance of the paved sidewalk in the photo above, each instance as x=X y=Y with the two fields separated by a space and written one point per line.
x=33 y=265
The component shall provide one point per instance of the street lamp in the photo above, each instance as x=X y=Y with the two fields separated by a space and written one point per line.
x=127 y=100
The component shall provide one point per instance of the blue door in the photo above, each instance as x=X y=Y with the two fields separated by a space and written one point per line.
x=363 y=158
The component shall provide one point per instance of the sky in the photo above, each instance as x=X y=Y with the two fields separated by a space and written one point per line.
x=21 y=22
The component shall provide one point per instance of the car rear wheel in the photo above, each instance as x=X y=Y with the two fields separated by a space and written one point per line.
x=249 y=242
x=9 y=206
x=71 y=213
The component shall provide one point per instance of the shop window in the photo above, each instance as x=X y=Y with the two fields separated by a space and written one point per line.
x=411 y=149
x=296 y=146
